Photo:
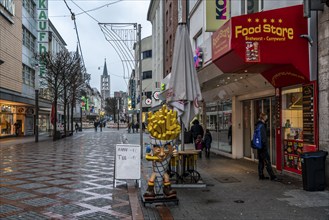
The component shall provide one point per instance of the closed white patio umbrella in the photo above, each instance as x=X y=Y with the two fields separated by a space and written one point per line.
x=183 y=87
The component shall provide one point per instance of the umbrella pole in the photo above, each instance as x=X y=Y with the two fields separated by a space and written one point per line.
x=182 y=136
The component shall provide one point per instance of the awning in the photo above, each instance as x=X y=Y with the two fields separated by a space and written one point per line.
x=266 y=42
x=157 y=107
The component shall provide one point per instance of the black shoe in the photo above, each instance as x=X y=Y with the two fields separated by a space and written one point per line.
x=262 y=177
x=274 y=178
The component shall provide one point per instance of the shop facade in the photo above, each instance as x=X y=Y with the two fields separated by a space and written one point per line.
x=264 y=60
x=13 y=116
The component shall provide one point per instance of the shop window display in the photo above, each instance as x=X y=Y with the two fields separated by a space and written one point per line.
x=6 y=120
x=292 y=124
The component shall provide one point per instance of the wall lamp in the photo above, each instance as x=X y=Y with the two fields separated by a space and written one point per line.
x=308 y=37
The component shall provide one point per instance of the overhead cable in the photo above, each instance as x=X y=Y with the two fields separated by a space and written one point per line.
x=76 y=31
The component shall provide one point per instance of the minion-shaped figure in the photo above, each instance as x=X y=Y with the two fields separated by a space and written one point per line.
x=160 y=157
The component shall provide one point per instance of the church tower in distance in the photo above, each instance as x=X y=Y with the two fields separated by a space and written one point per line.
x=105 y=84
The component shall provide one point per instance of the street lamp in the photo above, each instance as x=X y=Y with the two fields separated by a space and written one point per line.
x=36 y=85
x=118 y=111
x=80 y=118
x=140 y=88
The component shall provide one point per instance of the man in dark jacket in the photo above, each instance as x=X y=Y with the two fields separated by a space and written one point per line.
x=263 y=156
x=196 y=129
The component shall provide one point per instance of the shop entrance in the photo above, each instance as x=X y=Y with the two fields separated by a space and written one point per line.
x=219 y=120
x=251 y=111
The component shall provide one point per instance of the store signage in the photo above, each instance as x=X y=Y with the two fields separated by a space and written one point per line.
x=309 y=114
x=278 y=77
x=270 y=38
x=217 y=13
x=278 y=108
x=221 y=41
x=133 y=93
x=30 y=111
x=42 y=28
x=252 y=51
x=221 y=9
x=256 y=31
x=284 y=75
x=20 y=110
x=156 y=95
x=9 y=6
x=148 y=101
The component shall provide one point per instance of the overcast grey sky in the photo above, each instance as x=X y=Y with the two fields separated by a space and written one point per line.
x=95 y=48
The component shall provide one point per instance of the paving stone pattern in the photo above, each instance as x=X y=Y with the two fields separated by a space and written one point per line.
x=71 y=178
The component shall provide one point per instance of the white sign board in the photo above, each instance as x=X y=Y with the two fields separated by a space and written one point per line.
x=127 y=161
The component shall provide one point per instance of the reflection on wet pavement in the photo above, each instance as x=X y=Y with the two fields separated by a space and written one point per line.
x=68 y=179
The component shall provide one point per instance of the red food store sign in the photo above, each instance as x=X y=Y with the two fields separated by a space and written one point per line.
x=267 y=42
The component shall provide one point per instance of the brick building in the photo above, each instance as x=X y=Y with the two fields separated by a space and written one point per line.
x=170 y=26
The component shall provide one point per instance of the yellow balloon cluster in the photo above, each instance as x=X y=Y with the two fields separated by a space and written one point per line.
x=163 y=124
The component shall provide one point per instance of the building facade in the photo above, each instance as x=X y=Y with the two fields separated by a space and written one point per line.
x=249 y=65
x=11 y=98
x=121 y=114
x=148 y=84
x=155 y=16
x=323 y=81
x=247 y=62
x=55 y=44
x=19 y=69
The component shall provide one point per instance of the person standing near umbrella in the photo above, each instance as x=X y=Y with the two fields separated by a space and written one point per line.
x=196 y=130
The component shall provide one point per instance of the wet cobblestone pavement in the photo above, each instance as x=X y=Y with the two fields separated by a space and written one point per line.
x=71 y=178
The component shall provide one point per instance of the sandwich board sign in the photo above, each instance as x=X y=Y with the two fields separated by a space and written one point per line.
x=127 y=162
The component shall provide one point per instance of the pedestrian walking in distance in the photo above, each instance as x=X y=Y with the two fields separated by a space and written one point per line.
x=229 y=135
x=95 y=125
x=101 y=126
x=76 y=127
x=17 y=127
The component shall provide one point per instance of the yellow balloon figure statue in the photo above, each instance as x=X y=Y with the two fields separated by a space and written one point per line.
x=163 y=126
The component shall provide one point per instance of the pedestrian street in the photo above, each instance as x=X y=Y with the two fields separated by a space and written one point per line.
x=71 y=178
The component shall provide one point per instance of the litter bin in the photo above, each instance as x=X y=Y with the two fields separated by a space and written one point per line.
x=313 y=170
